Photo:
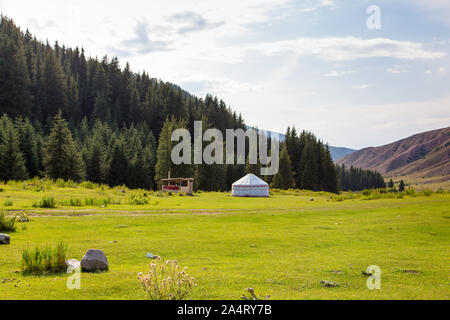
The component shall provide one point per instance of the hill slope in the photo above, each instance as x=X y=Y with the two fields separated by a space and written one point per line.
x=425 y=155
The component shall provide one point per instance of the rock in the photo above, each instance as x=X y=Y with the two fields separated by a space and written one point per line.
x=94 y=260
x=4 y=239
x=329 y=284
x=312 y=199
x=151 y=256
x=73 y=263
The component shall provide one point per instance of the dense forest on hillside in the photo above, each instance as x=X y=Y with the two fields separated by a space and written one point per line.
x=69 y=116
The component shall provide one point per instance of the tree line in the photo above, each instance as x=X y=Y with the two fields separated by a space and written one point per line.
x=72 y=117
x=354 y=179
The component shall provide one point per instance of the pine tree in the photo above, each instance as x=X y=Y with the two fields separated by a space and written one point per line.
x=329 y=181
x=310 y=172
x=401 y=188
x=253 y=168
x=12 y=162
x=284 y=178
x=95 y=162
x=15 y=84
x=164 y=162
x=391 y=184
x=61 y=159
x=118 y=166
x=29 y=145
x=164 y=152
x=52 y=89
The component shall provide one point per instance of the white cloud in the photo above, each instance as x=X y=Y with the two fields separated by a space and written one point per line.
x=323 y=4
x=428 y=72
x=442 y=69
x=361 y=86
x=350 y=48
x=396 y=70
x=335 y=73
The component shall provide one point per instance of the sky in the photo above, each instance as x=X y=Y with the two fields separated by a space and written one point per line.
x=314 y=64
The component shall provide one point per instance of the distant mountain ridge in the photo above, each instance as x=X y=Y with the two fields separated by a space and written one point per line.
x=426 y=155
x=336 y=152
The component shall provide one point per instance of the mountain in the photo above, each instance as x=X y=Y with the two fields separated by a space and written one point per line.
x=424 y=156
x=339 y=152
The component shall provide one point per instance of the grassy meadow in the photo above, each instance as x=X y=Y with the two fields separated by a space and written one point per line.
x=283 y=246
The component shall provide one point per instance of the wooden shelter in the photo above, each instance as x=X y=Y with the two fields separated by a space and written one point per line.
x=177 y=185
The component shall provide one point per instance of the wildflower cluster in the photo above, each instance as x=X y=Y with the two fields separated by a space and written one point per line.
x=166 y=281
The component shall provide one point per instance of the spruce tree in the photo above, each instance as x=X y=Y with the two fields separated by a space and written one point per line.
x=164 y=152
x=118 y=166
x=12 y=162
x=401 y=187
x=310 y=172
x=61 y=159
x=29 y=145
x=52 y=89
x=95 y=162
x=284 y=178
x=15 y=84
x=391 y=184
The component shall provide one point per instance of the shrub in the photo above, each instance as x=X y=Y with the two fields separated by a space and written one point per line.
x=45 y=260
x=7 y=224
x=253 y=296
x=99 y=202
x=23 y=217
x=137 y=200
x=45 y=202
x=88 y=185
x=75 y=203
x=166 y=281
x=8 y=203
x=439 y=191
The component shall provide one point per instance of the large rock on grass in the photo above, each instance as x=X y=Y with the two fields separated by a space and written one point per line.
x=94 y=260
x=4 y=239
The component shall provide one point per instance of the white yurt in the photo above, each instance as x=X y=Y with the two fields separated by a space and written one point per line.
x=250 y=186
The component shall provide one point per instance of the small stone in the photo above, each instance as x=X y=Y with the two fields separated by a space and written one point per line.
x=329 y=284
x=73 y=264
x=311 y=200
x=151 y=256
x=94 y=260
x=4 y=239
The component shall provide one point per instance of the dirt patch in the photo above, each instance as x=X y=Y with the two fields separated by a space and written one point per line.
x=337 y=272
x=411 y=271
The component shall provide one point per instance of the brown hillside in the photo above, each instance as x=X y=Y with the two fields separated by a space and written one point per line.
x=426 y=155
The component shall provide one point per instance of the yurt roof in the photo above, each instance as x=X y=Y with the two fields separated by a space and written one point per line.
x=250 y=180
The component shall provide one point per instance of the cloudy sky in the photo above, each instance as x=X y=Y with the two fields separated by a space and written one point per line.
x=313 y=63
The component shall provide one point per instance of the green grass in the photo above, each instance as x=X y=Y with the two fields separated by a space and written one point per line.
x=283 y=246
